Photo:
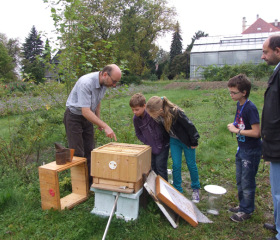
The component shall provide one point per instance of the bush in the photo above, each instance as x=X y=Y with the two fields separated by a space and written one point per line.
x=153 y=77
x=12 y=88
x=131 y=79
x=224 y=73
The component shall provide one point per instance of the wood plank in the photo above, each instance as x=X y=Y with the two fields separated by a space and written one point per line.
x=122 y=148
x=115 y=183
x=79 y=179
x=72 y=200
x=112 y=188
x=58 y=168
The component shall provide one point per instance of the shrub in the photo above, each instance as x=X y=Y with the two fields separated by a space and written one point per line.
x=131 y=79
x=224 y=73
x=153 y=77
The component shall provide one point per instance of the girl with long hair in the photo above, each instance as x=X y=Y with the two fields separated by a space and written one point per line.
x=183 y=138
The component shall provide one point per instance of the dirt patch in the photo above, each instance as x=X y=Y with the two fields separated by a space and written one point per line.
x=205 y=85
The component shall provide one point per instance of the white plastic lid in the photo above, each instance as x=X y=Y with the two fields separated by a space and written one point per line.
x=215 y=189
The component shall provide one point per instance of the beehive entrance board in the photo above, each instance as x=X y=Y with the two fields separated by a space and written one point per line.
x=176 y=201
x=49 y=184
x=119 y=166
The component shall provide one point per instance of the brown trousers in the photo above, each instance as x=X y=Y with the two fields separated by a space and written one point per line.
x=80 y=136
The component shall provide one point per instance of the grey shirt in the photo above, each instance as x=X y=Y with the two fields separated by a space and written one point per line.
x=87 y=92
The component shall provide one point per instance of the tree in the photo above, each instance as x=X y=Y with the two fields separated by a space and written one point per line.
x=180 y=66
x=162 y=63
x=32 y=63
x=196 y=36
x=95 y=33
x=175 y=50
x=6 y=65
x=141 y=23
x=176 y=45
x=47 y=52
x=13 y=50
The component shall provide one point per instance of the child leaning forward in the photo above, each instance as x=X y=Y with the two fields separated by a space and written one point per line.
x=246 y=126
x=183 y=138
x=151 y=133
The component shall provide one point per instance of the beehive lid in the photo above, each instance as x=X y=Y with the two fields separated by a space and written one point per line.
x=122 y=148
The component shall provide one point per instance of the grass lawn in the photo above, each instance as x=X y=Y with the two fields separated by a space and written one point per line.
x=21 y=216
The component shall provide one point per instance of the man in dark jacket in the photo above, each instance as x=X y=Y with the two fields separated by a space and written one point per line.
x=270 y=128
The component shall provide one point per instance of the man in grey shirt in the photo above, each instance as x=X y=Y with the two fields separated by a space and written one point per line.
x=83 y=110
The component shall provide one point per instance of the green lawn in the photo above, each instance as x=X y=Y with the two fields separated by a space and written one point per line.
x=21 y=216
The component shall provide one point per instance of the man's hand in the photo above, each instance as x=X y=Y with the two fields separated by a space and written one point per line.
x=110 y=133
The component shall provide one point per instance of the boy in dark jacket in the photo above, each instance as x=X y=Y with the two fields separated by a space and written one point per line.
x=151 y=133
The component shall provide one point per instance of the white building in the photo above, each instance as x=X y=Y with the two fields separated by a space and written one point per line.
x=231 y=50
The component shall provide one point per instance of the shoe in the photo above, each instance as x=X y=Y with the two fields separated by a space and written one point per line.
x=273 y=238
x=271 y=227
x=234 y=209
x=195 y=196
x=240 y=217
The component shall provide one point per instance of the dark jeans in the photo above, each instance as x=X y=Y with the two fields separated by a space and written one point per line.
x=80 y=136
x=247 y=163
x=159 y=163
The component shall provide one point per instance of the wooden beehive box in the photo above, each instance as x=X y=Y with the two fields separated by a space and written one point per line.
x=119 y=166
x=49 y=184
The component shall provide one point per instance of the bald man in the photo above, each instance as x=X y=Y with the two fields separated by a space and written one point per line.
x=83 y=110
x=270 y=126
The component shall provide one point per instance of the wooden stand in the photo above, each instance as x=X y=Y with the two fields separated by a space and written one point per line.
x=49 y=184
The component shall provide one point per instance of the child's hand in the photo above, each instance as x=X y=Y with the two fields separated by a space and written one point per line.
x=193 y=147
x=232 y=128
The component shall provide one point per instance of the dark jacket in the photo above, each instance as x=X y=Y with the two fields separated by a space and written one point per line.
x=185 y=130
x=151 y=133
x=270 y=126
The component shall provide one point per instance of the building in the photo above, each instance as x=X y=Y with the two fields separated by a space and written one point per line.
x=260 y=26
x=231 y=50
x=52 y=71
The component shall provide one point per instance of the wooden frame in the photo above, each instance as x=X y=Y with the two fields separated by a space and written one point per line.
x=150 y=186
x=170 y=196
x=49 y=184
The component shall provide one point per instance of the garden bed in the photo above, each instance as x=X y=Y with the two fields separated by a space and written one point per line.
x=206 y=85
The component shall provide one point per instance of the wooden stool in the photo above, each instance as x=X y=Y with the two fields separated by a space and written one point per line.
x=49 y=184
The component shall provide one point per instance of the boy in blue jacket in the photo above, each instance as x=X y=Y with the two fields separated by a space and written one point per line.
x=151 y=133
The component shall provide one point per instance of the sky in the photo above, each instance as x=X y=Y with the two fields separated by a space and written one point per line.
x=215 y=17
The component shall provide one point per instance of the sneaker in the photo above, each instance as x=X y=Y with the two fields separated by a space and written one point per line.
x=234 y=209
x=195 y=196
x=271 y=227
x=240 y=216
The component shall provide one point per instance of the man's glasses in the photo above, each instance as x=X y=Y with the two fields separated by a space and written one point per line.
x=114 y=81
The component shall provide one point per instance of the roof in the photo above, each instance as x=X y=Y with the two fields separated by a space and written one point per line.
x=261 y=26
x=240 y=42
x=274 y=24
